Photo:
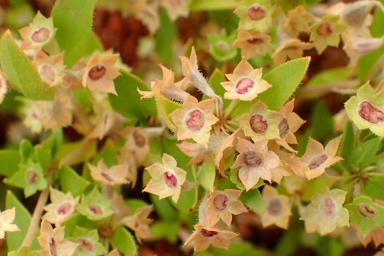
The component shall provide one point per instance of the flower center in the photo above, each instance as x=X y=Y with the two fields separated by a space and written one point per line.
x=366 y=211
x=97 y=72
x=258 y=123
x=222 y=45
x=85 y=245
x=255 y=40
x=317 y=161
x=106 y=176
x=170 y=179
x=256 y=13
x=328 y=207
x=243 y=85
x=195 y=120
x=283 y=127
x=324 y=29
x=32 y=176
x=47 y=73
x=64 y=208
x=371 y=113
x=95 y=209
x=52 y=246
x=221 y=202
x=139 y=139
x=207 y=233
x=253 y=159
x=40 y=36
x=274 y=207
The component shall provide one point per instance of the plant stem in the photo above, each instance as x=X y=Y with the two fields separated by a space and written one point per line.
x=230 y=107
x=70 y=158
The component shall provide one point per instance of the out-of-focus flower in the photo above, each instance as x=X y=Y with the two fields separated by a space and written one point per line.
x=313 y=163
x=277 y=208
x=130 y=161
x=222 y=204
x=355 y=14
x=53 y=240
x=100 y=72
x=62 y=206
x=356 y=47
x=39 y=32
x=254 y=15
x=136 y=142
x=31 y=115
x=291 y=49
x=167 y=178
x=204 y=236
x=377 y=235
x=245 y=82
x=87 y=241
x=50 y=68
x=3 y=86
x=195 y=120
x=326 y=32
x=253 y=43
x=139 y=222
x=298 y=20
x=176 y=8
x=116 y=175
x=220 y=46
x=94 y=206
x=148 y=13
x=325 y=212
x=255 y=162
x=6 y=219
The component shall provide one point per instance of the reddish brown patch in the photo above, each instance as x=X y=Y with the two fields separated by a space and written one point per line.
x=366 y=211
x=255 y=40
x=106 y=176
x=256 y=13
x=283 y=127
x=64 y=208
x=370 y=113
x=244 y=85
x=139 y=139
x=94 y=209
x=329 y=207
x=253 y=159
x=47 y=73
x=52 y=246
x=274 y=207
x=258 y=123
x=317 y=161
x=207 y=233
x=32 y=176
x=324 y=29
x=195 y=120
x=97 y=72
x=221 y=202
x=170 y=179
x=85 y=245
x=40 y=36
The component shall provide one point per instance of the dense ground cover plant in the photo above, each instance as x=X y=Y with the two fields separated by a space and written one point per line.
x=248 y=132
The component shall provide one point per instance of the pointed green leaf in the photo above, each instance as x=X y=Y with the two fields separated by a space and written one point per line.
x=206 y=175
x=73 y=20
x=165 y=37
x=70 y=181
x=347 y=142
x=165 y=108
x=22 y=220
x=364 y=154
x=253 y=200
x=373 y=187
x=124 y=242
x=321 y=121
x=20 y=71
x=164 y=208
x=165 y=229
x=9 y=160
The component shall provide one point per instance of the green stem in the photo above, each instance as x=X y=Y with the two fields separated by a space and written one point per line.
x=230 y=108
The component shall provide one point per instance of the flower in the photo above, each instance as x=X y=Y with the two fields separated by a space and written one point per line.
x=100 y=72
x=53 y=240
x=252 y=43
x=325 y=212
x=104 y=118
x=220 y=46
x=313 y=163
x=6 y=219
x=176 y=8
x=355 y=47
x=167 y=178
x=136 y=142
x=39 y=32
x=116 y=175
x=194 y=120
x=298 y=20
x=94 y=206
x=61 y=208
x=87 y=241
x=254 y=15
x=245 y=83
x=3 y=86
x=277 y=208
x=255 y=162
x=31 y=115
x=326 y=32
x=204 y=236
x=260 y=122
x=222 y=204
x=366 y=109
x=292 y=49
x=139 y=222
x=50 y=68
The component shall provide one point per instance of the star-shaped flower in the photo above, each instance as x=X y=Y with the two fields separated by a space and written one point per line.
x=50 y=68
x=253 y=43
x=291 y=49
x=245 y=83
x=298 y=20
x=116 y=175
x=94 y=206
x=88 y=242
x=176 y=9
x=254 y=15
x=139 y=222
x=6 y=219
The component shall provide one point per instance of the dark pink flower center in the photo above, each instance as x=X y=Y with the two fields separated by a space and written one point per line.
x=255 y=40
x=324 y=29
x=97 y=72
x=253 y=159
x=221 y=202
x=317 y=161
x=256 y=13
x=243 y=85
x=258 y=123
x=95 y=209
x=32 y=176
x=47 y=73
x=170 y=179
x=328 y=207
x=64 y=208
x=84 y=245
x=52 y=246
x=274 y=207
x=40 y=36
x=139 y=139
x=370 y=113
x=207 y=233
x=106 y=176
x=366 y=211
x=283 y=127
x=195 y=120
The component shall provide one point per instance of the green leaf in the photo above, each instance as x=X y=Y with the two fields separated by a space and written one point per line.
x=54 y=141
x=70 y=181
x=9 y=160
x=165 y=230
x=165 y=108
x=164 y=208
x=126 y=85
x=238 y=248
x=212 y=5
x=206 y=175
x=321 y=121
x=364 y=154
x=22 y=220
x=373 y=187
x=124 y=242
x=78 y=220
x=43 y=156
x=20 y=71
x=347 y=142
x=73 y=20
x=289 y=243
x=165 y=37
x=253 y=200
